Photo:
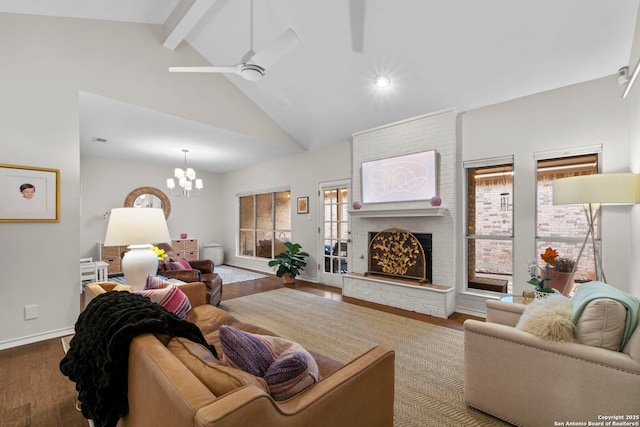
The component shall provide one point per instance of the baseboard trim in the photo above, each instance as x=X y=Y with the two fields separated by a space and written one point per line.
x=17 y=342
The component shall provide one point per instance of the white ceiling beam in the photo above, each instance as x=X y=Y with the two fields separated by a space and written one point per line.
x=183 y=19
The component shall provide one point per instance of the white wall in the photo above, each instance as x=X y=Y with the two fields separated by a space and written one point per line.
x=585 y=114
x=46 y=63
x=302 y=173
x=104 y=186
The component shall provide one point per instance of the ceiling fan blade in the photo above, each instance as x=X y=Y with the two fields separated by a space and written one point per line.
x=233 y=69
x=274 y=92
x=270 y=54
x=357 y=15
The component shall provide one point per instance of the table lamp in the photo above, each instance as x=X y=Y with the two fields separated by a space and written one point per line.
x=592 y=191
x=137 y=228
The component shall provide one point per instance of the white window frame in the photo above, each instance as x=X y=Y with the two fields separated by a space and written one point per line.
x=255 y=229
x=557 y=154
x=479 y=163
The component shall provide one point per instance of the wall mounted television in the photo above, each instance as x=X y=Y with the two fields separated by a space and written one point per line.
x=405 y=178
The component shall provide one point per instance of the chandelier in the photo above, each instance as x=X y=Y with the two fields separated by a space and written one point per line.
x=189 y=185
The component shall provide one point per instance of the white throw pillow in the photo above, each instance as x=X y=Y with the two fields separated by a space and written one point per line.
x=548 y=318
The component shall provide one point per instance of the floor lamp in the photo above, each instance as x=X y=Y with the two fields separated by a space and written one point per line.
x=137 y=228
x=593 y=191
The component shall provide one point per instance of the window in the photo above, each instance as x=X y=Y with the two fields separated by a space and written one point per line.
x=490 y=225
x=564 y=227
x=265 y=223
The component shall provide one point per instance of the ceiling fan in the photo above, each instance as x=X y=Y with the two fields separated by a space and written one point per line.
x=357 y=10
x=253 y=66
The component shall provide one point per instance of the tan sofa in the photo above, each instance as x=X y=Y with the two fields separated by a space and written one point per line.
x=528 y=381
x=162 y=391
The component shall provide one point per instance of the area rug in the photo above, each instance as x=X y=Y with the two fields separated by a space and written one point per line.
x=230 y=274
x=429 y=358
x=65 y=342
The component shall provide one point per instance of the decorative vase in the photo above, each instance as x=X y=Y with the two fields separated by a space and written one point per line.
x=436 y=201
x=357 y=205
x=542 y=295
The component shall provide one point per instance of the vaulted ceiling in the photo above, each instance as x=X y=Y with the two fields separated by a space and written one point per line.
x=439 y=54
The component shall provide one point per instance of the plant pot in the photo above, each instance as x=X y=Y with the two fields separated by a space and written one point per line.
x=559 y=280
x=287 y=279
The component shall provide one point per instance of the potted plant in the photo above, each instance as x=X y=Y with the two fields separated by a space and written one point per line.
x=561 y=275
x=289 y=263
x=540 y=275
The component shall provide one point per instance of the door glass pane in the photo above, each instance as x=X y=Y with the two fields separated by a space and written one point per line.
x=344 y=230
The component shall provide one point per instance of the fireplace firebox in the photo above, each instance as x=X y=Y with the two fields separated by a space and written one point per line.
x=400 y=254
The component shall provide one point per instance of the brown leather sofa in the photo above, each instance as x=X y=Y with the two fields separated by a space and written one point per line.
x=202 y=271
x=163 y=391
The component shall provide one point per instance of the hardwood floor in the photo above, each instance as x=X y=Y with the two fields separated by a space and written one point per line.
x=35 y=394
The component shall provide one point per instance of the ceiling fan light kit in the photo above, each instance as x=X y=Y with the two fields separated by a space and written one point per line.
x=251 y=72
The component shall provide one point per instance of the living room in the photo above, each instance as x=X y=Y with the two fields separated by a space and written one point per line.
x=45 y=77
x=47 y=86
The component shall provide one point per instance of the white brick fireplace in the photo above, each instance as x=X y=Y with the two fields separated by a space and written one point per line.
x=433 y=131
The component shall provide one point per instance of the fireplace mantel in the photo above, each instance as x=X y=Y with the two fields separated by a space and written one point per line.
x=397 y=213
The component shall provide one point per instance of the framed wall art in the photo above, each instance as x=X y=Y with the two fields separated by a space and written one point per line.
x=29 y=194
x=303 y=205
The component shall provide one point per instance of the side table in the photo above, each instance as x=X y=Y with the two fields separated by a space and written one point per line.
x=518 y=299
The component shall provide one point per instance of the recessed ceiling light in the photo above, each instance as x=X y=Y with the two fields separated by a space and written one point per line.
x=381 y=81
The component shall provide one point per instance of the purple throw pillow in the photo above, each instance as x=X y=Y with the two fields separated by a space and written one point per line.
x=286 y=366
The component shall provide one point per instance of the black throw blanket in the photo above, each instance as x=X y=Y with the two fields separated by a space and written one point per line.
x=97 y=360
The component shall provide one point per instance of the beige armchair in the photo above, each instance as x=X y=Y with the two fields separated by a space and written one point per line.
x=528 y=381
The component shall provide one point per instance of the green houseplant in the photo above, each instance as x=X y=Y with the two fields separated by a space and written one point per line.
x=289 y=263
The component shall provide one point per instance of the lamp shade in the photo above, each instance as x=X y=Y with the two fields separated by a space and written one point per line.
x=612 y=188
x=136 y=226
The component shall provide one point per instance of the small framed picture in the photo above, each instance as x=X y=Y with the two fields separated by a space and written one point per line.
x=303 y=205
x=29 y=194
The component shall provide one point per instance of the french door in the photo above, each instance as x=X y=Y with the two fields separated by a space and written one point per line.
x=334 y=232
